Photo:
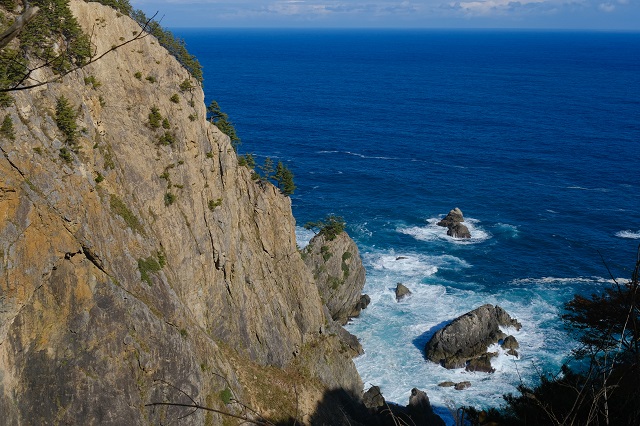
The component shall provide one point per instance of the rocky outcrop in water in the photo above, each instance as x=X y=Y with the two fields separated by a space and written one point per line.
x=464 y=341
x=145 y=262
x=453 y=222
x=338 y=272
x=402 y=291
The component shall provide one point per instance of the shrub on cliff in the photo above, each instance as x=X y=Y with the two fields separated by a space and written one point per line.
x=6 y=129
x=66 y=121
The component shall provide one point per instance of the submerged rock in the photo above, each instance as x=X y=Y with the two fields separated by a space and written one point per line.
x=462 y=385
x=467 y=337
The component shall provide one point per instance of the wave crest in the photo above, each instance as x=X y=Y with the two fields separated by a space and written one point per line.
x=628 y=234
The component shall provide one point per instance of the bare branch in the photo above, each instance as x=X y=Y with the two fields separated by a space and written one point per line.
x=15 y=29
x=142 y=34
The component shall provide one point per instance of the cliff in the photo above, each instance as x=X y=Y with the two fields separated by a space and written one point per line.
x=148 y=265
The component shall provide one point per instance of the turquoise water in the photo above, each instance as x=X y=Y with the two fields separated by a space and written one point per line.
x=534 y=135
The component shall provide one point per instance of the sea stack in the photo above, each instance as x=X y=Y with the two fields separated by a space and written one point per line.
x=464 y=342
x=453 y=222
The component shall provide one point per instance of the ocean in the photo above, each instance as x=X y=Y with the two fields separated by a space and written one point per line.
x=534 y=135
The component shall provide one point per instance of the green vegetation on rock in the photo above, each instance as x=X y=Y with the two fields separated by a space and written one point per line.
x=6 y=129
x=155 y=118
x=148 y=266
x=120 y=208
x=221 y=120
x=330 y=227
x=66 y=120
x=175 y=46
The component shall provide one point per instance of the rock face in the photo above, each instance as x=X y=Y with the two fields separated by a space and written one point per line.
x=339 y=274
x=453 y=222
x=132 y=264
x=467 y=337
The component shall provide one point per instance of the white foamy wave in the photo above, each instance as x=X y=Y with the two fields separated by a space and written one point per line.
x=404 y=265
x=581 y=188
x=412 y=264
x=356 y=154
x=628 y=234
x=303 y=236
x=394 y=335
x=559 y=281
x=433 y=232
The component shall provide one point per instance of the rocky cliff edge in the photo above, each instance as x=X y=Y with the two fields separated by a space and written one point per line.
x=141 y=270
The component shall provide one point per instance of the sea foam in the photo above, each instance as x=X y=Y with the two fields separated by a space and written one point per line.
x=394 y=334
x=433 y=232
x=628 y=234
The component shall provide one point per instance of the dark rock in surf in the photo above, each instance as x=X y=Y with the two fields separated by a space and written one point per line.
x=401 y=292
x=462 y=385
x=467 y=337
x=459 y=231
x=510 y=342
x=453 y=221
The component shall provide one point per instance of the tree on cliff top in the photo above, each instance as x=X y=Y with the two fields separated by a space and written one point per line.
x=284 y=178
x=330 y=227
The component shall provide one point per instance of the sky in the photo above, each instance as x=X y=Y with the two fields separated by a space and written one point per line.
x=621 y=15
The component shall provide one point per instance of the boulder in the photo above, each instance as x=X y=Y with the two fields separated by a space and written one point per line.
x=446 y=384
x=510 y=342
x=459 y=231
x=468 y=336
x=373 y=399
x=401 y=292
x=421 y=411
x=362 y=304
x=482 y=363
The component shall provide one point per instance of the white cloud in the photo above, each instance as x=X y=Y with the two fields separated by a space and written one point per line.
x=607 y=7
x=490 y=7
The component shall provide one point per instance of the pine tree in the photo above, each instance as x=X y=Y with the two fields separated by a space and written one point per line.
x=221 y=120
x=284 y=178
x=267 y=169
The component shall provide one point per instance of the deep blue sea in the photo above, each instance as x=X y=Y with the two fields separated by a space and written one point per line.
x=534 y=135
